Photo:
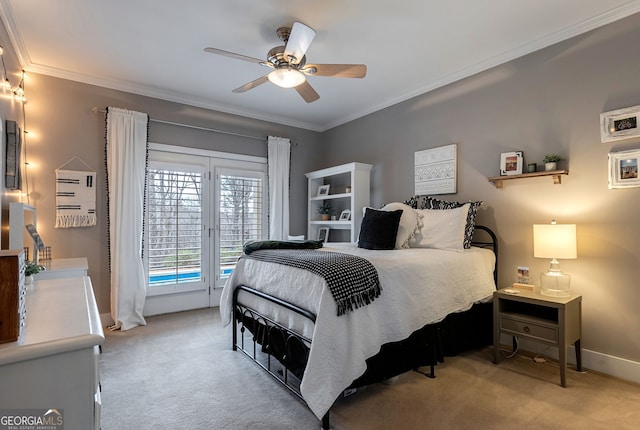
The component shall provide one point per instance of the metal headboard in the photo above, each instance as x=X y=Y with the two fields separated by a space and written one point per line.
x=492 y=244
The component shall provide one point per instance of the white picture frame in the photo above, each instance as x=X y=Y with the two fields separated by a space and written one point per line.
x=623 y=169
x=620 y=124
x=345 y=215
x=511 y=163
x=323 y=234
x=323 y=190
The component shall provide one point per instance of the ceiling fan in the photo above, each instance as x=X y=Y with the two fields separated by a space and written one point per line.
x=288 y=62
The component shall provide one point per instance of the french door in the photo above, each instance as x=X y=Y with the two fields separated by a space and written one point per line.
x=200 y=209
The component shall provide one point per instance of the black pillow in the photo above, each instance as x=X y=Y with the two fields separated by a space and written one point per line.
x=379 y=229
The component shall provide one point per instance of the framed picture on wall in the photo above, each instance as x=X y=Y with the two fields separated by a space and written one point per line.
x=620 y=124
x=511 y=163
x=13 y=173
x=323 y=234
x=435 y=170
x=623 y=169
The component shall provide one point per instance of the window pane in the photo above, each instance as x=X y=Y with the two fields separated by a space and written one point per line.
x=174 y=227
x=241 y=209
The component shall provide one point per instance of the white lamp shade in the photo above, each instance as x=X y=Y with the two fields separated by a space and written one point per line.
x=554 y=241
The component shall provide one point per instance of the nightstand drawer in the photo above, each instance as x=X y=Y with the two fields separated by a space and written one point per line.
x=528 y=327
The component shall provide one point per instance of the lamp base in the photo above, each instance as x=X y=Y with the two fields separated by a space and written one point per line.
x=555 y=284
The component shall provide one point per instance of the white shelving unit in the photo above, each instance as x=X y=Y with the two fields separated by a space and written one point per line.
x=349 y=188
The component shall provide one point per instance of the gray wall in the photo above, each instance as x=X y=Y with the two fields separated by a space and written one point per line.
x=549 y=101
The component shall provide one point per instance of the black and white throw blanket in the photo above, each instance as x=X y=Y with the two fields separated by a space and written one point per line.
x=352 y=281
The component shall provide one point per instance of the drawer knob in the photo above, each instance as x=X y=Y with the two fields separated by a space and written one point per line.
x=526 y=329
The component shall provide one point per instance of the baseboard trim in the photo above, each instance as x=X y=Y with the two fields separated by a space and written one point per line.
x=614 y=366
x=593 y=360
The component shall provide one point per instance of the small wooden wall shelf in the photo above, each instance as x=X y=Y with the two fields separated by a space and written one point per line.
x=555 y=174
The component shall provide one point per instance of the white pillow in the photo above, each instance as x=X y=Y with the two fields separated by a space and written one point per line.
x=442 y=229
x=410 y=223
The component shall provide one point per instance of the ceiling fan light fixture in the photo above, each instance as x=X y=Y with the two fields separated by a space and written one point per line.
x=286 y=77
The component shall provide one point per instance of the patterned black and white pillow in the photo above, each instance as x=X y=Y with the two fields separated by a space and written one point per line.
x=414 y=201
x=432 y=203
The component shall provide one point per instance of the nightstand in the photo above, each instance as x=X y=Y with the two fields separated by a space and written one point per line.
x=555 y=321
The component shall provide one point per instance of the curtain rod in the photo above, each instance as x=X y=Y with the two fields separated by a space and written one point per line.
x=212 y=130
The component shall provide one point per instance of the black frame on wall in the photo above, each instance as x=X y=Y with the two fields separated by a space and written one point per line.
x=13 y=175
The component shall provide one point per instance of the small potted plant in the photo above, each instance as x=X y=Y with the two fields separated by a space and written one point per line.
x=31 y=269
x=325 y=210
x=550 y=161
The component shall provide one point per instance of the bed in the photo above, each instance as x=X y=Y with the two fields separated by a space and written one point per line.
x=432 y=302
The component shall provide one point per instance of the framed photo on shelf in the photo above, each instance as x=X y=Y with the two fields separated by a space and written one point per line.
x=620 y=124
x=523 y=275
x=623 y=169
x=323 y=190
x=323 y=234
x=345 y=215
x=511 y=163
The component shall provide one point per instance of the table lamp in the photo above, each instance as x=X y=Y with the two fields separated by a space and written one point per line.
x=555 y=241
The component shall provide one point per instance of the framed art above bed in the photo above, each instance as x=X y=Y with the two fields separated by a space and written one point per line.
x=436 y=170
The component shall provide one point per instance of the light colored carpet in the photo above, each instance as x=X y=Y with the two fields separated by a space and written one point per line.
x=179 y=372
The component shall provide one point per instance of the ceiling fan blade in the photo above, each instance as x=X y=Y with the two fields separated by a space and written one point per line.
x=336 y=70
x=307 y=92
x=299 y=41
x=233 y=55
x=251 y=85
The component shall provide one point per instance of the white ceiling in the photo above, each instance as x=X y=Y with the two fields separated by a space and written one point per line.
x=155 y=47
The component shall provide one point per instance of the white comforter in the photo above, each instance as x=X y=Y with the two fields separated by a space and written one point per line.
x=419 y=287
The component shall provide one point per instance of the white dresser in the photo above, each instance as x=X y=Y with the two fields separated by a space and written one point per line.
x=54 y=364
x=63 y=268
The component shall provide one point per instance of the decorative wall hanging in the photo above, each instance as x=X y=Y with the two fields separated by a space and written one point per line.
x=623 y=169
x=13 y=175
x=75 y=196
x=620 y=124
x=435 y=170
x=511 y=163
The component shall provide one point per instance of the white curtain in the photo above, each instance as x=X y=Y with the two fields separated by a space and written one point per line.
x=278 y=159
x=126 y=152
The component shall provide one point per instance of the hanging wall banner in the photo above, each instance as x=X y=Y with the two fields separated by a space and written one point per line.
x=75 y=198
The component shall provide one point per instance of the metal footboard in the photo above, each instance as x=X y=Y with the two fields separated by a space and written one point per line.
x=264 y=330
